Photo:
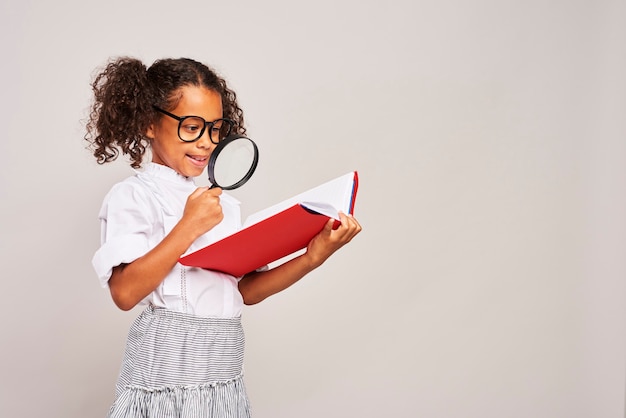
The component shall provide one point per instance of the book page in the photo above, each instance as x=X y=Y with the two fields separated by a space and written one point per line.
x=322 y=208
x=335 y=193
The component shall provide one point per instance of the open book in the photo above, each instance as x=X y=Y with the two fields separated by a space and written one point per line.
x=278 y=231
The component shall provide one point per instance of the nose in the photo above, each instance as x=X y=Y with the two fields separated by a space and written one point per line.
x=205 y=140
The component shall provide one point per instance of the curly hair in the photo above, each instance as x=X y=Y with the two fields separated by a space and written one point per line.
x=125 y=93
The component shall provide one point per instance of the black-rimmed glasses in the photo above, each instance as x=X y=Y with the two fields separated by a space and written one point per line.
x=191 y=128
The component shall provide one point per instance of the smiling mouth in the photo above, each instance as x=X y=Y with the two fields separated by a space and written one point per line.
x=198 y=160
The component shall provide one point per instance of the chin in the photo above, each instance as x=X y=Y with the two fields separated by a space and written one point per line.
x=193 y=172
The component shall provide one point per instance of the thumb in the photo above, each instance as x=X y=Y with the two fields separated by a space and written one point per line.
x=330 y=225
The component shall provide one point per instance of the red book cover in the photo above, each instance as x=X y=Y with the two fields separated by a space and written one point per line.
x=281 y=230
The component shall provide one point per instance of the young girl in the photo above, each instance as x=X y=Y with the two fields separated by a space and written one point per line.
x=184 y=352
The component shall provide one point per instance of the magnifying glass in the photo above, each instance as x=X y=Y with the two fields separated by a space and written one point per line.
x=232 y=162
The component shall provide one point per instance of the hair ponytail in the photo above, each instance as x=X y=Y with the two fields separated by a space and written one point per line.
x=121 y=112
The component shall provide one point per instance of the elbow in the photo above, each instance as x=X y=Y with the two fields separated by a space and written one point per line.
x=124 y=305
x=248 y=293
x=249 y=299
x=122 y=300
x=123 y=296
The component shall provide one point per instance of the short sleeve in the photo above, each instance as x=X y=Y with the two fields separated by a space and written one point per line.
x=127 y=221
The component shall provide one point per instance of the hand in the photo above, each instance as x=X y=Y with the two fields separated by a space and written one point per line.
x=202 y=211
x=329 y=240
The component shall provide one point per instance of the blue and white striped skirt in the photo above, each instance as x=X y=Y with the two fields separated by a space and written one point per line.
x=183 y=366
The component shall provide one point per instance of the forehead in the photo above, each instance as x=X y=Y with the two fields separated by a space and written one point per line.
x=199 y=101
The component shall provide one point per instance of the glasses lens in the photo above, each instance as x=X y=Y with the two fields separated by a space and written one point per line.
x=221 y=129
x=191 y=128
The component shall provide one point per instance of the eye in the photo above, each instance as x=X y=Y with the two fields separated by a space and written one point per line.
x=192 y=125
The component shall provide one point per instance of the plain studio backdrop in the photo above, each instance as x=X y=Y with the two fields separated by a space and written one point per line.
x=490 y=140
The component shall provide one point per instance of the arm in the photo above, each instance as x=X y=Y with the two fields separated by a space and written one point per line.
x=257 y=286
x=130 y=283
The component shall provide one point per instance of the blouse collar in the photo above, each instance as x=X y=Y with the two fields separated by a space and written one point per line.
x=166 y=173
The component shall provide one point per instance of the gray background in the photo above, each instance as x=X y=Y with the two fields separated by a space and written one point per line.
x=490 y=139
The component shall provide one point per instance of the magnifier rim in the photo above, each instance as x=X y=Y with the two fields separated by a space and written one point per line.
x=213 y=158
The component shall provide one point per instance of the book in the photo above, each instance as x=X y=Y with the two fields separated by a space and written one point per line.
x=280 y=230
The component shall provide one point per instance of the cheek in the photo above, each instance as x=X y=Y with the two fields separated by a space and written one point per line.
x=158 y=146
x=163 y=131
x=164 y=138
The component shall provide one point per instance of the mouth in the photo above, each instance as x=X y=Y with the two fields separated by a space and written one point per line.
x=198 y=160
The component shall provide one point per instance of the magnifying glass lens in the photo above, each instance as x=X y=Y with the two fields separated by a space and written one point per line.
x=233 y=162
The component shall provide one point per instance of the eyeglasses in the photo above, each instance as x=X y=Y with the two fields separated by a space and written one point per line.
x=191 y=128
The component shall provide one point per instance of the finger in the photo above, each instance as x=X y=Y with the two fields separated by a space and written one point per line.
x=348 y=221
x=215 y=191
x=355 y=223
x=198 y=192
x=349 y=227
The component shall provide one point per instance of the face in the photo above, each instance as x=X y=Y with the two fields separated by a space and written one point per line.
x=186 y=158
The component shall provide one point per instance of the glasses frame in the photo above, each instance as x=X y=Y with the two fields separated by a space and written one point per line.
x=181 y=119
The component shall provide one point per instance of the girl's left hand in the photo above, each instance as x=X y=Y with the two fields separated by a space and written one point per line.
x=329 y=240
x=259 y=285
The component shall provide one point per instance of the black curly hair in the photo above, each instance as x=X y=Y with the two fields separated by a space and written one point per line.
x=125 y=93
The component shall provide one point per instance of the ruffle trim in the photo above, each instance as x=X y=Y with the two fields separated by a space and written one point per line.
x=225 y=399
x=239 y=377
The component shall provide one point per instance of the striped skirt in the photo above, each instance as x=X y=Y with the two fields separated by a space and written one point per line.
x=183 y=366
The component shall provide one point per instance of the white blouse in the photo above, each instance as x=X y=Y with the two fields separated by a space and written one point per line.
x=138 y=213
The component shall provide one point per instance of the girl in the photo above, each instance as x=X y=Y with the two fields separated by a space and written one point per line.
x=184 y=352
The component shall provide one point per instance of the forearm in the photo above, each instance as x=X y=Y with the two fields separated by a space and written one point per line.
x=257 y=286
x=131 y=283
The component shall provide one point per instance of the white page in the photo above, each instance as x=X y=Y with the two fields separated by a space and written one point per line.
x=336 y=193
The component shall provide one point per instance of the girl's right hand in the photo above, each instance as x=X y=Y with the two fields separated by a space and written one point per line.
x=131 y=283
x=202 y=211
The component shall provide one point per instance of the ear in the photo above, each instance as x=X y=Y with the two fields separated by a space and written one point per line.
x=150 y=131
